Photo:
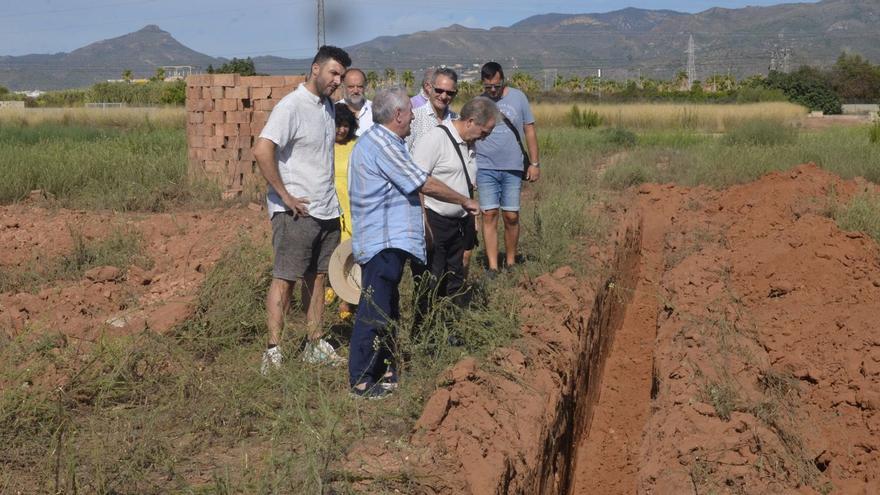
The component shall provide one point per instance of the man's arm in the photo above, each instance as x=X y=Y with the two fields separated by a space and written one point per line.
x=264 y=152
x=534 y=173
x=440 y=191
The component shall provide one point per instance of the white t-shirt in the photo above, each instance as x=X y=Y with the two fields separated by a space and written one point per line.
x=364 y=116
x=433 y=152
x=303 y=128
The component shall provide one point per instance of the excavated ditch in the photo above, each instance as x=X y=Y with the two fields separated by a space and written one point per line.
x=732 y=349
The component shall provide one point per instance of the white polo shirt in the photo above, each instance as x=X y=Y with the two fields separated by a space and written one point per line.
x=433 y=152
x=303 y=128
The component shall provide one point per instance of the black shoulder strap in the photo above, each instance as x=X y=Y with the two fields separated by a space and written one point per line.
x=467 y=176
x=515 y=134
x=512 y=128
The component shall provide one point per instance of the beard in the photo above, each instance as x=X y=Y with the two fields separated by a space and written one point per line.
x=355 y=100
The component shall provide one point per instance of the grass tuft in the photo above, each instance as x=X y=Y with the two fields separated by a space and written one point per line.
x=861 y=214
x=760 y=132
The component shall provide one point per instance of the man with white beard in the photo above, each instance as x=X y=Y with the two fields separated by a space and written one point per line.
x=353 y=87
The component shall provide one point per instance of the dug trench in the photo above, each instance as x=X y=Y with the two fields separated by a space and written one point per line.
x=731 y=349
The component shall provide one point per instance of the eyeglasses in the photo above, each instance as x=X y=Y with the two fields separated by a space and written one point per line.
x=487 y=87
x=450 y=92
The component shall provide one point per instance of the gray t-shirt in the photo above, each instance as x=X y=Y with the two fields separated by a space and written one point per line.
x=500 y=150
x=303 y=128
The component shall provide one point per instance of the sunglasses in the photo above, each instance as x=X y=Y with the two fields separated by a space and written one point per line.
x=450 y=92
x=493 y=86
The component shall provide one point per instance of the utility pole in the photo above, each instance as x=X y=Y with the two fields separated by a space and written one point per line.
x=692 y=65
x=321 y=38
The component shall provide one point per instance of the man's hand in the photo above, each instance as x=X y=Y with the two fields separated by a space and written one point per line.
x=471 y=206
x=298 y=205
x=533 y=173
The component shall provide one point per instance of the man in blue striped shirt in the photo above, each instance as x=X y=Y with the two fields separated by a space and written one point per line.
x=384 y=185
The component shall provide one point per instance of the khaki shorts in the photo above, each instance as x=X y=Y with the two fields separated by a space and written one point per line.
x=302 y=245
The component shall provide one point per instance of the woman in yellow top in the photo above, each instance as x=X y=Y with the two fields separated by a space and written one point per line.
x=346 y=126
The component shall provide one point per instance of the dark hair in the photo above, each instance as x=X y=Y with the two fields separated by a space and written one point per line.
x=490 y=69
x=345 y=116
x=328 y=52
x=444 y=71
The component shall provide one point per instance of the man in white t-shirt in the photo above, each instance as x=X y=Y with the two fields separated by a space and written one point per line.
x=295 y=156
x=353 y=87
x=447 y=153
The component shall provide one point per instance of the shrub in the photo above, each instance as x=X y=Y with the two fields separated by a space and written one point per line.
x=760 y=133
x=586 y=119
x=619 y=136
x=809 y=87
x=875 y=131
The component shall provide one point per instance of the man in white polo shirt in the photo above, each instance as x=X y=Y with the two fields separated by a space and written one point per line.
x=353 y=86
x=295 y=156
x=446 y=152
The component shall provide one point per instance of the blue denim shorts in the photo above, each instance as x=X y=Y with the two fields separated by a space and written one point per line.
x=499 y=188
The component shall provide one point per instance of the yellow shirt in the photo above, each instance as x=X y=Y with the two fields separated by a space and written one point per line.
x=342 y=154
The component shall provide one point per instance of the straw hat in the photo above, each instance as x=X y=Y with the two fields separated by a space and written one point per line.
x=345 y=274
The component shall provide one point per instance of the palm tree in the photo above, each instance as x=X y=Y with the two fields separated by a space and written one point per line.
x=372 y=79
x=127 y=75
x=390 y=76
x=408 y=79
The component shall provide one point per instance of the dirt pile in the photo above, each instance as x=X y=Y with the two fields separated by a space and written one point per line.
x=767 y=356
x=178 y=248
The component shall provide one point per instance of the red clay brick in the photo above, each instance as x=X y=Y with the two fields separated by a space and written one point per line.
x=196 y=117
x=213 y=141
x=239 y=92
x=247 y=154
x=238 y=117
x=216 y=93
x=251 y=81
x=264 y=105
x=282 y=91
x=225 y=80
x=244 y=130
x=203 y=105
x=213 y=117
x=226 y=105
x=199 y=80
x=260 y=93
x=273 y=81
x=294 y=80
x=195 y=142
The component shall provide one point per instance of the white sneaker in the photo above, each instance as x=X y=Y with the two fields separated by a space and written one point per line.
x=321 y=352
x=271 y=360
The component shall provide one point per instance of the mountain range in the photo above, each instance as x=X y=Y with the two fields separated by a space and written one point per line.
x=624 y=43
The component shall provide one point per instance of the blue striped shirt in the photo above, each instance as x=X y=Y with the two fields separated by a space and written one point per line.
x=383 y=184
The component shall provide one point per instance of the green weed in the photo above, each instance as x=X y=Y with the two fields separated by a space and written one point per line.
x=861 y=214
x=760 y=133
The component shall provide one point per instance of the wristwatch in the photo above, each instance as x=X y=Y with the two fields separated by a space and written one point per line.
x=536 y=164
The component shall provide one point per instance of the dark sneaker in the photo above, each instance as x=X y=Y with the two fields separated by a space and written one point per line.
x=372 y=391
x=389 y=381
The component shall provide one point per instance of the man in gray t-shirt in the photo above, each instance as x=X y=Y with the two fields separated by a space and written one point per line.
x=500 y=164
x=295 y=156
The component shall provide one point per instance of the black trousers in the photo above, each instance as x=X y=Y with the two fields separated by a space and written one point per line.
x=444 y=274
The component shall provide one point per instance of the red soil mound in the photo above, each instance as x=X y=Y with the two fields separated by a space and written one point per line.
x=767 y=356
x=182 y=247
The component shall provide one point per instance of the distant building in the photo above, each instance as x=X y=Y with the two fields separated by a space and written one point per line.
x=31 y=94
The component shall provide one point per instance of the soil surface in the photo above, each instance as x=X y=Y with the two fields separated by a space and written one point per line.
x=766 y=374
x=179 y=248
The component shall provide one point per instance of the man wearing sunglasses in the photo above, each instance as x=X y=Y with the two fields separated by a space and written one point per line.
x=500 y=161
x=443 y=88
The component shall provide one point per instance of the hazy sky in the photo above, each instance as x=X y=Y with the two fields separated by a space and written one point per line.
x=285 y=28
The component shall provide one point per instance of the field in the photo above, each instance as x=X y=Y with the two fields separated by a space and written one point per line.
x=144 y=378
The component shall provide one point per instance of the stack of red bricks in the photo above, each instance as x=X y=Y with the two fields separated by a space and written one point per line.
x=225 y=114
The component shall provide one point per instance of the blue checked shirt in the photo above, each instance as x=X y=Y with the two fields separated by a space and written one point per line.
x=383 y=184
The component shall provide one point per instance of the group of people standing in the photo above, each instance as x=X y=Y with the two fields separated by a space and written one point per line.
x=400 y=176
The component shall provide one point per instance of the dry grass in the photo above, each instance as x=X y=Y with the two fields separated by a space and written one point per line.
x=702 y=117
x=169 y=117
